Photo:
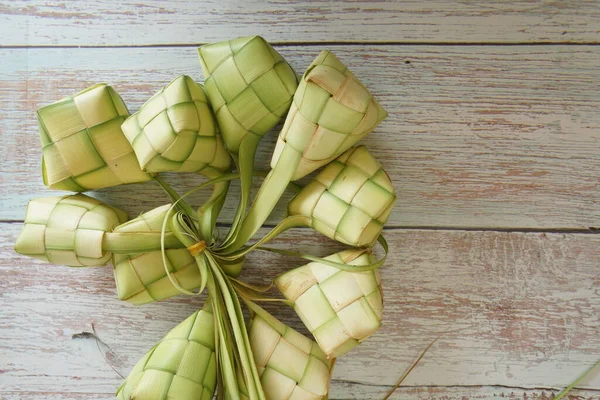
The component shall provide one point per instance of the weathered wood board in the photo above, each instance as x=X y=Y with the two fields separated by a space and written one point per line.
x=521 y=310
x=148 y=22
x=494 y=126
x=478 y=137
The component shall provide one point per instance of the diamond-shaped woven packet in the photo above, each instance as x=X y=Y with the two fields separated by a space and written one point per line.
x=350 y=200
x=141 y=277
x=140 y=274
x=83 y=146
x=176 y=131
x=331 y=111
x=181 y=366
x=340 y=308
x=249 y=84
x=68 y=230
x=290 y=365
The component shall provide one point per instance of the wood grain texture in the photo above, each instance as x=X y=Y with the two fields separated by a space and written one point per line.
x=358 y=392
x=487 y=136
x=522 y=310
x=478 y=137
x=148 y=22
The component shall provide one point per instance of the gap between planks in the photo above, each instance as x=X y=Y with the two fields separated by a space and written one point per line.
x=507 y=387
x=591 y=230
x=308 y=44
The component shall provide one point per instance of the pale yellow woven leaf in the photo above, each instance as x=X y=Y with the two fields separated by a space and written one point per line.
x=350 y=200
x=340 y=308
x=83 y=146
x=68 y=230
x=331 y=111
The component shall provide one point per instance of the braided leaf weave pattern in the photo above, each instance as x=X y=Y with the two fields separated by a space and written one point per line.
x=176 y=131
x=350 y=200
x=83 y=146
x=181 y=366
x=274 y=344
x=331 y=111
x=68 y=230
x=340 y=308
x=249 y=84
x=141 y=277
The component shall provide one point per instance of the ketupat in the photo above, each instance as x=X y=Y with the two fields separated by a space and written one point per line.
x=340 y=308
x=181 y=366
x=174 y=248
x=249 y=85
x=68 y=230
x=142 y=234
x=176 y=131
x=291 y=366
x=83 y=146
x=331 y=111
x=349 y=200
x=141 y=277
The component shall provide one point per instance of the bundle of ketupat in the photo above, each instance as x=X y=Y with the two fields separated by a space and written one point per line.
x=90 y=142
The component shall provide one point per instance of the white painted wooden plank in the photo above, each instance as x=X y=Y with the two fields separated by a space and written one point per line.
x=500 y=137
x=361 y=392
x=527 y=304
x=147 y=22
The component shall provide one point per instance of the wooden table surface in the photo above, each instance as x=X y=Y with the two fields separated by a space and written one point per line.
x=493 y=143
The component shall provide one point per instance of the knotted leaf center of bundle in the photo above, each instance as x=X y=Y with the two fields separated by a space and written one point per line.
x=197 y=248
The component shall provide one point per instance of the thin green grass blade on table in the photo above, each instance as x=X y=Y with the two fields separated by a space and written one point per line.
x=68 y=230
x=331 y=111
x=412 y=367
x=181 y=366
x=250 y=86
x=581 y=377
x=83 y=146
x=340 y=308
x=291 y=366
x=350 y=200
